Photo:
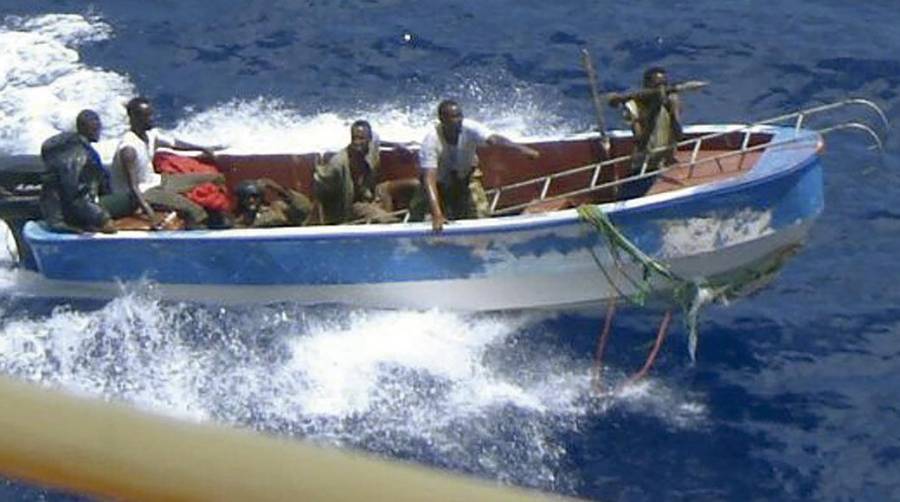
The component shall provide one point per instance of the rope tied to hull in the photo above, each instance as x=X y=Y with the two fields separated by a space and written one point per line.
x=689 y=295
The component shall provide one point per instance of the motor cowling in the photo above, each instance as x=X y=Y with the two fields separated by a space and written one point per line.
x=20 y=186
x=21 y=178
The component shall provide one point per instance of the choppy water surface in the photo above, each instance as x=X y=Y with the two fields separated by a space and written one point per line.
x=794 y=392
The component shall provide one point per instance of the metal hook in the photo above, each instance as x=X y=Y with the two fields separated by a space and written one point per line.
x=879 y=145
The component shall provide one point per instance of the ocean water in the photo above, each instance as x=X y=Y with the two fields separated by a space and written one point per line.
x=794 y=392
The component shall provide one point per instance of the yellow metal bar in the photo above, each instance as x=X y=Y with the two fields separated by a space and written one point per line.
x=107 y=449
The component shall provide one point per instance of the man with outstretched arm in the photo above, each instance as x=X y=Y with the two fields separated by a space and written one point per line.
x=655 y=120
x=132 y=168
x=448 y=163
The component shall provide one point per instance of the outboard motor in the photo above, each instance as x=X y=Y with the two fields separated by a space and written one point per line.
x=21 y=177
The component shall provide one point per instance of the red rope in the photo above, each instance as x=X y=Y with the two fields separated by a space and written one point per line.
x=597 y=371
x=651 y=358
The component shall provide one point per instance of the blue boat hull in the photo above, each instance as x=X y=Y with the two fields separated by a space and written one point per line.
x=518 y=262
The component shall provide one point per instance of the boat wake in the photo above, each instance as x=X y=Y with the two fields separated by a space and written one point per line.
x=494 y=395
x=44 y=82
x=482 y=394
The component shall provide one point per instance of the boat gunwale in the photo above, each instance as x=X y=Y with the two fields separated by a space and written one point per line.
x=761 y=172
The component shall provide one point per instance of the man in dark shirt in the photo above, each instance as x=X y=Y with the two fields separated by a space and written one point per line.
x=655 y=120
x=75 y=179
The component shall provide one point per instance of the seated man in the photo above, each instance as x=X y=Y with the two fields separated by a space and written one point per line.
x=133 y=173
x=448 y=163
x=291 y=208
x=75 y=179
x=346 y=188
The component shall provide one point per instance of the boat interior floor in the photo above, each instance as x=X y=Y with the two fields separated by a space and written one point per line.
x=701 y=173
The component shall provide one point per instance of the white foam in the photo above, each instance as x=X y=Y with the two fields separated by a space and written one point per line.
x=122 y=352
x=70 y=29
x=654 y=397
x=267 y=125
x=355 y=363
x=414 y=384
x=343 y=366
x=45 y=84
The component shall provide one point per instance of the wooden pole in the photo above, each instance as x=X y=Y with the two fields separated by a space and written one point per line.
x=598 y=101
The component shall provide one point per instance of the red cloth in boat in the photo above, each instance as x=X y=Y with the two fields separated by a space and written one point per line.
x=210 y=196
x=170 y=163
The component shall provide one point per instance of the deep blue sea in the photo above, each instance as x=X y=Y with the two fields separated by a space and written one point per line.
x=794 y=394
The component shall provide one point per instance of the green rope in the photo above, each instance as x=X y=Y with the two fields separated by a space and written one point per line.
x=617 y=244
x=690 y=295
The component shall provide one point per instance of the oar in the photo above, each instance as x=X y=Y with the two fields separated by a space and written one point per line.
x=598 y=101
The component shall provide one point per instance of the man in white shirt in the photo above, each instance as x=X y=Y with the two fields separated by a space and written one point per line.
x=132 y=168
x=448 y=163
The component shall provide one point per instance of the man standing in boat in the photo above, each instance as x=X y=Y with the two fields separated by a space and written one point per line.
x=75 y=179
x=132 y=169
x=655 y=119
x=346 y=187
x=448 y=164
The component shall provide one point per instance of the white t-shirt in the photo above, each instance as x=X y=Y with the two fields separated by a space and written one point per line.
x=147 y=178
x=458 y=159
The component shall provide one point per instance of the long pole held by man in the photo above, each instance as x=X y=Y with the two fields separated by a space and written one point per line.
x=598 y=101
